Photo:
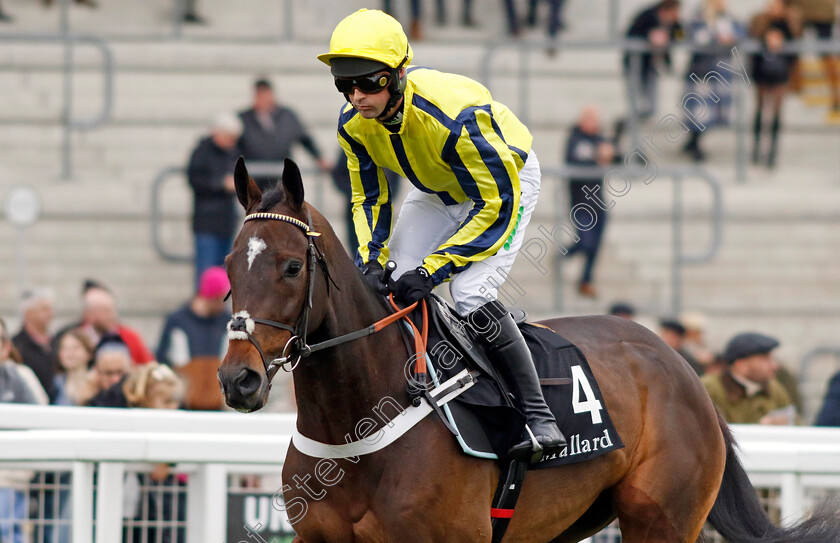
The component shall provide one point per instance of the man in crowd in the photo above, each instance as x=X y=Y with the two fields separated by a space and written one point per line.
x=587 y=147
x=33 y=342
x=270 y=130
x=747 y=391
x=658 y=25
x=194 y=340
x=210 y=174
x=100 y=317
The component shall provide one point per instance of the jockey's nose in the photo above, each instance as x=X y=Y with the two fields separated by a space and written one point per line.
x=247 y=382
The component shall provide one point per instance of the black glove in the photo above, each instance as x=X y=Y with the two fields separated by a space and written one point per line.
x=414 y=285
x=372 y=273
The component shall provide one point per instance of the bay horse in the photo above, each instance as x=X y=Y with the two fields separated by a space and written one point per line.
x=677 y=469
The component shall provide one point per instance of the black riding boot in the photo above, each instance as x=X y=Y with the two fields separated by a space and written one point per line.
x=509 y=353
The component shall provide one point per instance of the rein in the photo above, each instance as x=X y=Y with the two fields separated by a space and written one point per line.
x=241 y=325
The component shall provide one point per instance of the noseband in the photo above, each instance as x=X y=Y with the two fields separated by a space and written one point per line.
x=241 y=325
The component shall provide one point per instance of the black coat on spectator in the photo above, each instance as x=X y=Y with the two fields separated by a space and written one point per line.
x=214 y=211
x=830 y=412
x=41 y=359
x=641 y=26
x=274 y=141
x=111 y=397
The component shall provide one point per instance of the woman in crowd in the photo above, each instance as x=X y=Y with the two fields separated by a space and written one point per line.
x=75 y=354
x=713 y=32
x=771 y=68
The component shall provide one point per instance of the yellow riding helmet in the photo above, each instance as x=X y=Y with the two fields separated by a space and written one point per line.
x=370 y=34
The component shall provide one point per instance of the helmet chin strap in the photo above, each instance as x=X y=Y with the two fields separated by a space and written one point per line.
x=395 y=91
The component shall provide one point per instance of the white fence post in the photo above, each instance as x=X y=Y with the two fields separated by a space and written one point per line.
x=207 y=504
x=109 y=502
x=82 y=494
x=791 y=498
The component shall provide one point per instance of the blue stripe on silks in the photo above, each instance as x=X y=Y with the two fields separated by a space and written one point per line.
x=402 y=158
x=345 y=116
x=496 y=167
x=522 y=154
x=368 y=173
x=426 y=106
x=447 y=270
x=409 y=70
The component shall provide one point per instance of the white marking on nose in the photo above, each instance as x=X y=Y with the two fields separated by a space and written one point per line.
x=255 y=247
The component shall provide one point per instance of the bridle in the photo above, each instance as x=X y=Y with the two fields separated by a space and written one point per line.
x=241 y=325
x=296 y=348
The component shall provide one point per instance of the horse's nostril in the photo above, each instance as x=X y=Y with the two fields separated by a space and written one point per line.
x=247 y=381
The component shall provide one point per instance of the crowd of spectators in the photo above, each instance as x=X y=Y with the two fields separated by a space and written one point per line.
x=745 y=379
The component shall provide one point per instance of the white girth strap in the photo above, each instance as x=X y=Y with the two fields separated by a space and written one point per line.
x=389 y=433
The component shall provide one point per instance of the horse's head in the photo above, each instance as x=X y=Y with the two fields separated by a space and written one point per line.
x=272 y=276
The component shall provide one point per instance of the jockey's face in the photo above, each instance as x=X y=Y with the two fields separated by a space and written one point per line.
x=369 y=105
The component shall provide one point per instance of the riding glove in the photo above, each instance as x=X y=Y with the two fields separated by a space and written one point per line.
x=413 y=286
x=373 y=273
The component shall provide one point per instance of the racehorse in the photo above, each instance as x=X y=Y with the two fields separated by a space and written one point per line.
x=677 y=468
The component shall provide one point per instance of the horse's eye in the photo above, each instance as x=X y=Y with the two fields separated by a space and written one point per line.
x=293 y=269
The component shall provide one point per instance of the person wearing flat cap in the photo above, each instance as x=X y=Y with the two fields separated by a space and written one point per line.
x=747 y=391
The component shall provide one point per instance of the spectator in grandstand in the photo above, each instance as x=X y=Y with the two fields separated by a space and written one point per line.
x=673 y=334
x=747 y=392
x=555 y=20
x=210 y=174
x=190 y=14
x=270 y=130
x=100 y=317
x=34 y=342
x=623 y=310
x=4 y=18
x=111 y=364
x=771 y=67
x=658 y=25
x=829 y=414
x=17 y=385
x=820 y=15
x=587 y=147
x=194 y=340
x=713 y=31
x=75 y=353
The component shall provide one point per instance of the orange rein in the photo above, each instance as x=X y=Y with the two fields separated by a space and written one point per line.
x=420 y=338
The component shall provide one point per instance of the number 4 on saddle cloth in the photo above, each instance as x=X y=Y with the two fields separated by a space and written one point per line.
x=486 y=417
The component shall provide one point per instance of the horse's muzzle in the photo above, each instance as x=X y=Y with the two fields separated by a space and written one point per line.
x=245 y=389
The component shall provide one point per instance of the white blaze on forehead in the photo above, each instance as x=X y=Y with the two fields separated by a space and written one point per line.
x=255 y=247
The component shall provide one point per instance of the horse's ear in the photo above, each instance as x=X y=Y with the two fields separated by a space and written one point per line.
x=247 y=190
x=292 y=183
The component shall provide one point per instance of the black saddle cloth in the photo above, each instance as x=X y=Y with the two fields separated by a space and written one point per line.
x=488 y=417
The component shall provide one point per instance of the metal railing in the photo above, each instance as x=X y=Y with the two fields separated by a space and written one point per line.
x=525 y=74
x=68 y=122
x=679 y=258
x=255 y=169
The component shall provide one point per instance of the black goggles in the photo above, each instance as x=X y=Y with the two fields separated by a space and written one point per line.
x=369 y=84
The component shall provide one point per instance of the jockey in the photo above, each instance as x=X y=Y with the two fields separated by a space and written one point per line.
x=476 y=182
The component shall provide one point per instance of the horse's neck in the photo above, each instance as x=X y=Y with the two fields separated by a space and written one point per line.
x=338 y=387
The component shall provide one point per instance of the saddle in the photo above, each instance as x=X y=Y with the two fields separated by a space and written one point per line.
x=486 y=419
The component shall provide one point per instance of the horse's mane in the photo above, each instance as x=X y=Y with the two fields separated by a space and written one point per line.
x=271 y=197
